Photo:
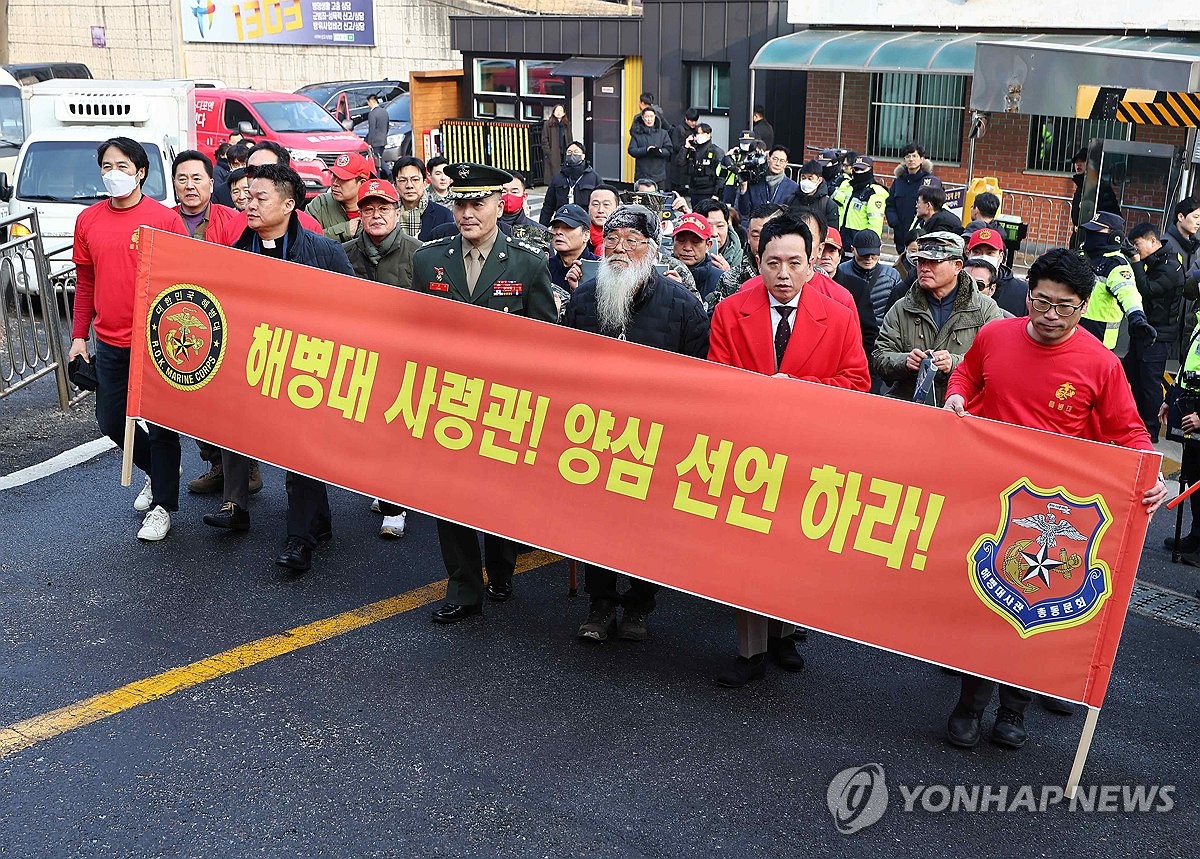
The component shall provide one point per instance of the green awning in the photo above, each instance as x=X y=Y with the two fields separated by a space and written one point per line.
x=946 y=52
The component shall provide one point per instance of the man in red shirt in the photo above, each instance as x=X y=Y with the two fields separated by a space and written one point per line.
x=105 y=256
x=784 y=327
x=192 y=176
x=1014 y=372
x=264 y=152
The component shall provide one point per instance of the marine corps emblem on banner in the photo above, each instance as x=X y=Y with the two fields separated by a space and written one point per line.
x=185 y=333
x=1040 y=570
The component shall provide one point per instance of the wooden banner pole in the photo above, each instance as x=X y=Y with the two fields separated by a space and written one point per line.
x=127 y=453
x=1081 y=753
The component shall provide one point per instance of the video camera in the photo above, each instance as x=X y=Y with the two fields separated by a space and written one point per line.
x=1183 y=399
x=751 y=167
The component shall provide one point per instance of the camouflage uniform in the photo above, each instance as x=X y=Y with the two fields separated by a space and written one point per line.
x=731 y=282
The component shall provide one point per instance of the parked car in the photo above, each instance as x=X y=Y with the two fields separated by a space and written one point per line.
x=399 y=140
x=296 y=122
x=328 y=95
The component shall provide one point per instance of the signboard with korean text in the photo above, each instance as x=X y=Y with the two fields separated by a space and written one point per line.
x=279 y=22
x=994 y=549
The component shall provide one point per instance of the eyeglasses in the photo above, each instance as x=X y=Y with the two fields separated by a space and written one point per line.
x=409 y=180
x=1041 y=305
x=371 y=211
x=624 y=244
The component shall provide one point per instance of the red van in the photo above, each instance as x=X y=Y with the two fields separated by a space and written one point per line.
x=295 y=122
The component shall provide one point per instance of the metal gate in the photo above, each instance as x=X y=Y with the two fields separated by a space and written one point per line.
x=506 y=145
x=35 y=310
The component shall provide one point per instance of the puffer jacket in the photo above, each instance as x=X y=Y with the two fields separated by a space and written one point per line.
x=1162 y=293
x=878 y=282
x=304 y=247
x=665 y=316
x=909 y=325
x=901 y=206
x=820 y=200
x=651 y=165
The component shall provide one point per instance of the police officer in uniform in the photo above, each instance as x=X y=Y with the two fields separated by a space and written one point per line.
x=480 y=266
x=1116 y=295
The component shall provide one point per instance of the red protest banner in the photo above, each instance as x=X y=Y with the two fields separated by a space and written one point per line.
x=1001 y=551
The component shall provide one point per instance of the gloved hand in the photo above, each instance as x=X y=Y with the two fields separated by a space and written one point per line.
x=1140 y=329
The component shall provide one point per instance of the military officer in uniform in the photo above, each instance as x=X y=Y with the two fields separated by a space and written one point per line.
x=481 y=266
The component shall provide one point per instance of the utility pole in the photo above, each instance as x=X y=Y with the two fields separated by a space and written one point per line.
x=3 y=31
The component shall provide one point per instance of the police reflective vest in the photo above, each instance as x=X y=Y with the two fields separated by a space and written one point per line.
x=1115 y=295
x=863 y=210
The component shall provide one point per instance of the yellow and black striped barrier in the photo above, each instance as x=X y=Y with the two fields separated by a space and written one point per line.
x=1139 y=106
x=506 y=145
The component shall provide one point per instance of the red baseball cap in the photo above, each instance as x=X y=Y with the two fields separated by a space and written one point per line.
x=693 y=223
x=353 y=165
x=380 y=188
x=986 y=236
x=833 y=237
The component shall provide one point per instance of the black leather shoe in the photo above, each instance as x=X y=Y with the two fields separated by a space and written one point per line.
x=1188 y=544
x=453 y=612
x=1009 y=729
x=742 y=671
x=323 y=533
x=963 y=728
x=230 y=516
x=783 y=653
x=296 y=555
x=499 y=591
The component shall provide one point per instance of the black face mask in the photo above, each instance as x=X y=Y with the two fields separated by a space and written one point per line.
x=861 y=180
x=1095 y=241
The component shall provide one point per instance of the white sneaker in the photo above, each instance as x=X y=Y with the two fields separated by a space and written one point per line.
x=155 y=526
x=375 y=506
x=393 y=526
x=145 y=498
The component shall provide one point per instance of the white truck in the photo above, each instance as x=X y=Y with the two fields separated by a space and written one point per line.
x=56 y=173
x=12 y=121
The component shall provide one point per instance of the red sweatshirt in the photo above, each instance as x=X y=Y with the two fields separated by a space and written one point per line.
x=106 y=264
x=231 y=229
x=1075 y=388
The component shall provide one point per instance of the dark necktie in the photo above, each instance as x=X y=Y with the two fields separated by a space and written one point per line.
x=783 y=331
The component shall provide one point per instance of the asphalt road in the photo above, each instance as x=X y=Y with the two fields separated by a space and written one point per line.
x=501 y=736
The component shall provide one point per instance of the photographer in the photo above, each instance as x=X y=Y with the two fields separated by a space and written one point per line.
x=774 y=187
x=698 y=163
x=744 y=163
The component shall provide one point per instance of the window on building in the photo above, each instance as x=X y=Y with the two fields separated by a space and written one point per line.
x=927 y=109
x=708 y=87
x=489 y=109
x=1054 y=139
x=496 y=76
x=537 y=80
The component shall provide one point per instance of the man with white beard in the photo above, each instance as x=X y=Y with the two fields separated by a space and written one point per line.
x=630 y=301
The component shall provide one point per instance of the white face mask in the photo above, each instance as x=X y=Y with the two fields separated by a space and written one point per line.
x=808 y=185
x=701 y=139
x=118 y=184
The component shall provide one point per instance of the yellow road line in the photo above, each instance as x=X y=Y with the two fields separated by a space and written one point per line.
x=23 y=734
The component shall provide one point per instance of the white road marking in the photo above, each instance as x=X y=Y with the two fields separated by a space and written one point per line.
x=53 y=465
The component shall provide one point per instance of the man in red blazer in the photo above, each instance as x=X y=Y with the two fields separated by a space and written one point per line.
x=785 y=328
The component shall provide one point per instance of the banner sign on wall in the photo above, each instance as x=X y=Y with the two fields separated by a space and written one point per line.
x=279 y=22
x=997 y=550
